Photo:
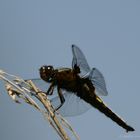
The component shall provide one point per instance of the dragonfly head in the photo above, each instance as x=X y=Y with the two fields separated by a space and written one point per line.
x=46 y=73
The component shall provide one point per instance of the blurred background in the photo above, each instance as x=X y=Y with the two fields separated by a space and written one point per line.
x=34 y=33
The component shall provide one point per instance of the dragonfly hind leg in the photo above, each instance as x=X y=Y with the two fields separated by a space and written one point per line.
x=61 y=97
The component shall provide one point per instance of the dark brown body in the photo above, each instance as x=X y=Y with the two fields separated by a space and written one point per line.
x=68 y=79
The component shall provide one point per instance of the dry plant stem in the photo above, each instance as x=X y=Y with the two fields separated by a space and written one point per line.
x=17 y=91
x=47 y=105
x=9 y=87
x=66 y=124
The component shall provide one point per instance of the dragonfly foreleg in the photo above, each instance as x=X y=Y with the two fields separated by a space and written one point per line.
x=50 y=90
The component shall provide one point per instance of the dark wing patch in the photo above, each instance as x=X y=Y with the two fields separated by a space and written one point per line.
x=79 y=60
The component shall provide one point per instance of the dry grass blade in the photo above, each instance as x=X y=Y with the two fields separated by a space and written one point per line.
x=20 y=90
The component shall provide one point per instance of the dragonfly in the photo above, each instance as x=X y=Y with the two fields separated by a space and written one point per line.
x=77 y=89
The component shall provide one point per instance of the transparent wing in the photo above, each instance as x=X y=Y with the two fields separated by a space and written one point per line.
x=94 y=75
x=98 y=82
x=42 y=85
x=72 y=106
x=80 y=60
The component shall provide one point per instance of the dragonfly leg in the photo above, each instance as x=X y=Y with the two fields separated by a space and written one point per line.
x=50 y=90
x=62 y=99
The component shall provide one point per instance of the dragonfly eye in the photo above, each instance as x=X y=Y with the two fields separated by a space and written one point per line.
x=50 y=67
x=43 y=69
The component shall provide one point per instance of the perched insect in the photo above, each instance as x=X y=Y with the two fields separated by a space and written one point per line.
x=78 y=88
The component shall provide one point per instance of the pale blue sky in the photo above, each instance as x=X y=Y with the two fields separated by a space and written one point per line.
x=34 y=33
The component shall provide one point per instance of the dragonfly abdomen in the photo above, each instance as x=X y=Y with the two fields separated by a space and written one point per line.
x=96 y=102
